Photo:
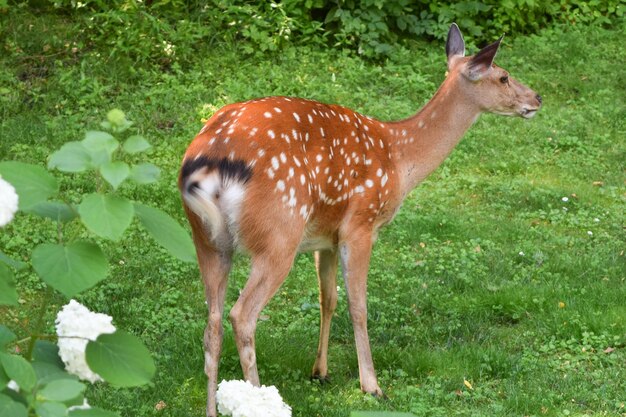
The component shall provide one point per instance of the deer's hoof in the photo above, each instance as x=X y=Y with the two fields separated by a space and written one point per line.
x=379 y=395
x=322 y=379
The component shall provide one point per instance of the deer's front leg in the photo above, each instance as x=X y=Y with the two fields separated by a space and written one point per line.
x=355 y=253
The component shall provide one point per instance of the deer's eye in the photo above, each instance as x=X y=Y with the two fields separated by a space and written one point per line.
x=504 y=79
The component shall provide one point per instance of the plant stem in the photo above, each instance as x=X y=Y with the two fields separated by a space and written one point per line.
x=39 y=323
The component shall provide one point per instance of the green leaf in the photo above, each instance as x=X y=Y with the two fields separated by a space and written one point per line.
x=100 y=146
x=18 y=265
x=72 y=157
x=32 y=183
x=8 y=294
x=61 y=390
x=11 y=408
x=19 y=370
x=6 y=336
x=136 y=144
x=167 y=232
x=120 y=359
x=107 y=216
x=93 y=412
x=70 y=269
x=96 y=139
x=145 y=173
x=115 y=172
x=55 y=210
x=47 y=352
x=47 y=363
x=47 y=372
x=4 y=379
x=51 y=409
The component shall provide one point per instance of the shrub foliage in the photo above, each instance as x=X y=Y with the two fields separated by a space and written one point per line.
x=145 y=29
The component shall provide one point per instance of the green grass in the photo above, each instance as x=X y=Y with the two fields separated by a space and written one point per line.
x=451 y=297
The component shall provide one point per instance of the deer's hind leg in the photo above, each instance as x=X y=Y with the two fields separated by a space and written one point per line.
x=214 y=266
x=272 y=257
x=326 y=265
x=266 y=276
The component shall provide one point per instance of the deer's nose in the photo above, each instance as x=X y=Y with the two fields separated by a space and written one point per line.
x=538 y=97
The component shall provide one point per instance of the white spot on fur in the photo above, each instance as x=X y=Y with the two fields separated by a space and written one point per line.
x=292 y=197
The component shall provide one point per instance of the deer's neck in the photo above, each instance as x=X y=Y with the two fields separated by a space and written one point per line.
x=422 y=142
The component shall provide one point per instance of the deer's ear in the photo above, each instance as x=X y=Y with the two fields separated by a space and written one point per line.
x=481 y=63
x=455 y=45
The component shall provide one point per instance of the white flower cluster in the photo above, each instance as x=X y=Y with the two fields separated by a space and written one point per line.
x=76 y=325
x=168 y=48
x=242 y=399
x=8 y=202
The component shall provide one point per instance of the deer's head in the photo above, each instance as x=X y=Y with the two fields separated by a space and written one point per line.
x=486 y=84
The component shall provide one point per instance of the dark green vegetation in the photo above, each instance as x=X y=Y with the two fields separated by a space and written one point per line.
x=485 y=276
x=137 y=29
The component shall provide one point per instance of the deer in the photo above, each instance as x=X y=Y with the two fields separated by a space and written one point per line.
x=276 y=176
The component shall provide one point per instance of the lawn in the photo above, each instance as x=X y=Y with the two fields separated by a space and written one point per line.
x=498 y=290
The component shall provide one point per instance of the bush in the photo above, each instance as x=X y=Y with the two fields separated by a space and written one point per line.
x=154 y=29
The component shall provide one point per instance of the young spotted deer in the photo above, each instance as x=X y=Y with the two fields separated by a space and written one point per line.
x=276 y=176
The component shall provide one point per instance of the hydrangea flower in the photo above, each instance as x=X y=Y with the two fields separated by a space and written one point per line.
x=13 y=385
x=76 y=325
x=8 y=202
x=242 y=399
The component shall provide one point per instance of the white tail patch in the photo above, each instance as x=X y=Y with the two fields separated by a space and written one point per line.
x=217 y=203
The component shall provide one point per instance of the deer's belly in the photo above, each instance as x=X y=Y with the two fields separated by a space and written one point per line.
x=313 y=243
